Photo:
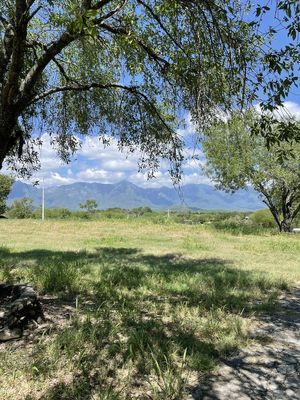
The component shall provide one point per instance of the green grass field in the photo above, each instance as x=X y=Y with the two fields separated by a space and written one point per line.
x=141 y=310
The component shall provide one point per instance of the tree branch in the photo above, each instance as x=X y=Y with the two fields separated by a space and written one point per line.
x=100 y=4
x=81 y=88
x=63 y=72
x=62 y=42
x=3 y=21
x=34 y=13
x=18 y=49
x=161 y=24
x=296 y=211
x=6 y=51
x=111 y=13
x=123 y=31
x=34 y=73
x=30 y=3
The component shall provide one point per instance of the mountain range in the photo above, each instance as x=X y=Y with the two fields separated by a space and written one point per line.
x=127 y=195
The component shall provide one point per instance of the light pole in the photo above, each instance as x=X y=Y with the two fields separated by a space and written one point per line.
x=43 y=201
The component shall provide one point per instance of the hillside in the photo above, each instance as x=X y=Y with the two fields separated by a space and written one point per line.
x=127 y=195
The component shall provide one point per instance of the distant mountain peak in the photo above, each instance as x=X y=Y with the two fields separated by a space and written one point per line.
x=127 y=195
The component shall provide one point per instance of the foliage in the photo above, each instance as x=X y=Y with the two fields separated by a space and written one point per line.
x=90 y=205
x=278 y=68
x=263 y=218
x=126 y=69
x=236 y=158
x=233 y=222
x=277 y=73
x=5 y=188
x=55 y=213
x=117 y=68
x=22 y=208
x=139 y=211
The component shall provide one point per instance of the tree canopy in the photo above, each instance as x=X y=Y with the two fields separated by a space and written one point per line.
x=128 y=69
x=5 y=188
x=90 y=205
x=237 y=158
x=122 y=68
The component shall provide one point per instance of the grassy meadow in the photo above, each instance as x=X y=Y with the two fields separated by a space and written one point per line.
x=140 y=309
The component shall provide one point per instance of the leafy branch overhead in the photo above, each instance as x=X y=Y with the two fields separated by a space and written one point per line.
x=121 y=68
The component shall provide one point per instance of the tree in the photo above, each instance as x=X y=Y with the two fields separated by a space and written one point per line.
x=120 y=68
x=90 y=205
x=236 y=158
x=5 y=188
x=22 y=208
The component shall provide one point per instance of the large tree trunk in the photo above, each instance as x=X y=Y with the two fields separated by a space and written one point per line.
x=10 y=136
x=286 y=225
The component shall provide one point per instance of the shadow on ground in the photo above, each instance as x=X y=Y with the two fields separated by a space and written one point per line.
x=267 y=370
x=132 y=309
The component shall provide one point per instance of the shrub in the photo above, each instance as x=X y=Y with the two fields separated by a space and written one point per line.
x=22 y=208
x=59 y=213
x=263 y=218
x=114 y=213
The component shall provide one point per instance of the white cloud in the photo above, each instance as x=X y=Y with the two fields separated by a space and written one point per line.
x=53 y=178
x=160 y=179
x=48 y=156
x=99 y=175
x=163 y=179
x=292 y=108
x=189 y=128
x=289 y=109
x=193 y=164
x=119 y=164
x=93 y=149
x=106 y=164
x=195 y=178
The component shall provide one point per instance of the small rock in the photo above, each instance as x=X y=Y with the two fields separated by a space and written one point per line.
x=10 y=334
x=290 y=392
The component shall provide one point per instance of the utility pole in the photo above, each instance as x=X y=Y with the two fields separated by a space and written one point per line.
x=168 y=213
x=43 y=201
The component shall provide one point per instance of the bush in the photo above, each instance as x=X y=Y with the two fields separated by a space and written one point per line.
x=263 y=218
x=22 y=208
x=59 y=213
x=139 y=211
x=114 y=213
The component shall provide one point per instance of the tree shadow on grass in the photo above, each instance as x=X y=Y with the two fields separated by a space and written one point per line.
x=124 y=312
